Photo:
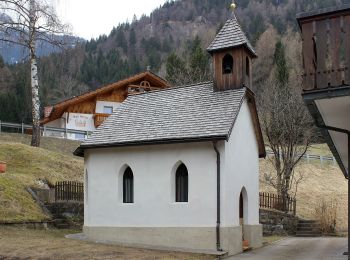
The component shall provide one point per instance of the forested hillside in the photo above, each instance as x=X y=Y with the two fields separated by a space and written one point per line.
x=172 y=41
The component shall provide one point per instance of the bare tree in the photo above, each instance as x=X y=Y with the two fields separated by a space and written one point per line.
x=287 y=127
x=26 y=23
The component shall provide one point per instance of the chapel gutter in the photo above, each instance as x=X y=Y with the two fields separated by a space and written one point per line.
x=218 y=199
x=80 y=150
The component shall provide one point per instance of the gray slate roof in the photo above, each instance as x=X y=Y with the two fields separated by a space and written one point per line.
x=183 y=113
x=231 y=35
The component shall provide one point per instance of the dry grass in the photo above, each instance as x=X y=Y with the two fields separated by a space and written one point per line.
x=320 y=149
x=26 y=165
x=53 y=144
x=326 y=213
x=49 y=244
x=320 y=182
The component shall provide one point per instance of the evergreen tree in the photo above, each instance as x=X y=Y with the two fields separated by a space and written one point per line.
x=176 y=71
x=132 y=37
x=121 y=40
x=282 y=73
x=199 y=62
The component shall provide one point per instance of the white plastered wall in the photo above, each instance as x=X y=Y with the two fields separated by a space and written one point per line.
x=101 y=104
x=240 y=168
x=154 y=201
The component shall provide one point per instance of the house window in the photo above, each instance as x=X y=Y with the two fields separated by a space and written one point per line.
x=107 y=110
x=227 y=64
x=181 y=183
x=128 y=186
x=79 y=136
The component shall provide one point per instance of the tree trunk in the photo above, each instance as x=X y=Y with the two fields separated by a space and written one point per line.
x=34 y=78
x=35 y=101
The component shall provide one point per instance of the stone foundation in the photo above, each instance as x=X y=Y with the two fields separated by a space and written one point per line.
x=201 y=238
x=177 y=238
x=253 y=233
x=278 y=223
x=231 y=239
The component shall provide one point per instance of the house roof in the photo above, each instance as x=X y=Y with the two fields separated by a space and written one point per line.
x=175 y=115
x=231 y=35
x=59 y=108
x=322 y=13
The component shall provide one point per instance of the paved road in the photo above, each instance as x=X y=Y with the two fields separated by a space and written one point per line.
x=297 y=248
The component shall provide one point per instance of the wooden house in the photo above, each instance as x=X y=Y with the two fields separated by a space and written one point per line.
x=88 y=111
x=326 y=86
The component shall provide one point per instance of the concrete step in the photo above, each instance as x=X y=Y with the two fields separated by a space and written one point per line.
x=308 y=228
x=304 y=221
x=308 y=235
x=308 y=232
x=61 y=223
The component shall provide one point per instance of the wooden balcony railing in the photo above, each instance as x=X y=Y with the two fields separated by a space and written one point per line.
x=326 y=48
x=100 y=118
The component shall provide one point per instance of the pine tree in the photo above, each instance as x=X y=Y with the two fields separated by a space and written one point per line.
x=282 y=73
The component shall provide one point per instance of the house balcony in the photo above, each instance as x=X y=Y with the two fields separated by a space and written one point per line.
x=326 y=79
x=99 y=119
x=326 y=48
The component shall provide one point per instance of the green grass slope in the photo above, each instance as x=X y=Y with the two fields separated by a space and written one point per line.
x=26 y=165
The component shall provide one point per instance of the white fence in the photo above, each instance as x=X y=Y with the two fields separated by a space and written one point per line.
x=21 y=128
x=311 y=157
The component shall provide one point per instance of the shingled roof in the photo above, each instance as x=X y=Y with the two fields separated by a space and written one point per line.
x=231 y=35
x=175 y=115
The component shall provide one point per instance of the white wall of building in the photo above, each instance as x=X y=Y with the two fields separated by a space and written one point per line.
x=75 y=121
x=154 y=182
x=154 y=186
x=58 y=123
x=101 y=104
x=240 y=164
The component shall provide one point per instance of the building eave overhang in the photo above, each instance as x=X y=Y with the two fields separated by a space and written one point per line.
x=244 y=45
x=329 y=12
x=80 y=150
x=310 y=99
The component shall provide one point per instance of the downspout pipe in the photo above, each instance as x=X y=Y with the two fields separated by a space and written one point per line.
x=347 y=132
x=218 y=199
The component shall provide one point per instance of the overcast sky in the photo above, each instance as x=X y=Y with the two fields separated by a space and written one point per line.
x=91 y=18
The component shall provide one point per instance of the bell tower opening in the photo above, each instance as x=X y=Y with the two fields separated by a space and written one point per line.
x=227 y=64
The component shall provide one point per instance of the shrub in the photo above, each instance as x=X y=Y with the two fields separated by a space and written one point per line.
x=326 y=214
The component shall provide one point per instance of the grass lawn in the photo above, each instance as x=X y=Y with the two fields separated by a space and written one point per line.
x=52 y=144
x=26 y=166
x=50 y=244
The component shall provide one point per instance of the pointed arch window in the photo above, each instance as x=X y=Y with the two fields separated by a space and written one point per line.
x=227 y=64
x=128 y=186
x=181 y=183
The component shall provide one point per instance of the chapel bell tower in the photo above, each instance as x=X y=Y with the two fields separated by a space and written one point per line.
x=232 y=56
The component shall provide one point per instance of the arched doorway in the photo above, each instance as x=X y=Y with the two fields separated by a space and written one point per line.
x=243 y=211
